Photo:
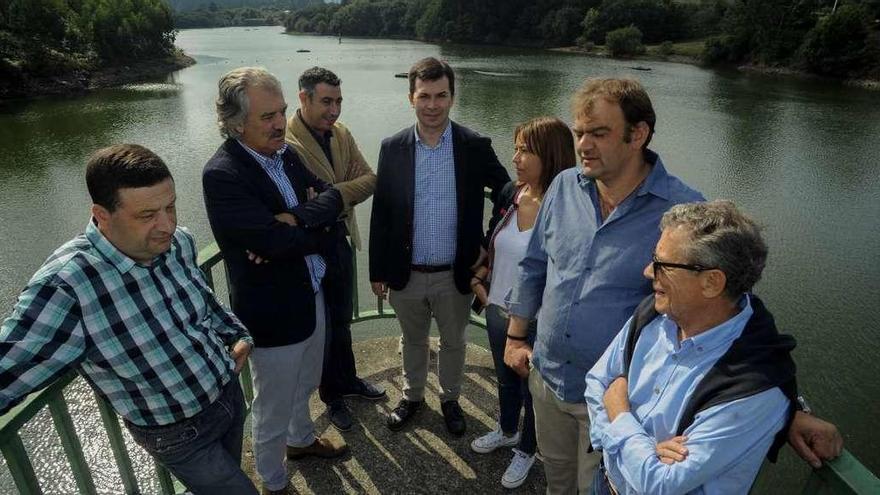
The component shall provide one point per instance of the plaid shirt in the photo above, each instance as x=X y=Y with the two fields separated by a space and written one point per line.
x=274 y=167
x=150 y=339
x=435 y=207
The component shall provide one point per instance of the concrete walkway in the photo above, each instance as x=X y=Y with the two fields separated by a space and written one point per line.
x=423 y=457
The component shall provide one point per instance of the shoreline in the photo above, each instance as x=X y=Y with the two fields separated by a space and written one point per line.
x=82 y=81
x=763 y=70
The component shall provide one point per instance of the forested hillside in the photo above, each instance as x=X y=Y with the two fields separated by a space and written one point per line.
x=187 y=5
x=839 y=38
x=42 y=39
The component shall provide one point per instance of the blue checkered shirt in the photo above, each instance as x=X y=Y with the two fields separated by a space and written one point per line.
x=274 y=166
x=435 y=209
x=150 y=339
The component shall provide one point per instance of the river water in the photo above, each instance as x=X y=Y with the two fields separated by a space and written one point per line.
x=798 y=156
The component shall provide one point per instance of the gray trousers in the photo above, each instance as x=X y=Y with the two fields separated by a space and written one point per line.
x=284 y=379
x=427 y=295
x=563 y=433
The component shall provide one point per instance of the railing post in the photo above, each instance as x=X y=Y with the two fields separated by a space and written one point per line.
x=20 y=467
x=166 y=486
x=117 y=445
x=72 y=446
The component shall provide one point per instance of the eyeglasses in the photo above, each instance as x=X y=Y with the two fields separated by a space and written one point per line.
x=659 y=265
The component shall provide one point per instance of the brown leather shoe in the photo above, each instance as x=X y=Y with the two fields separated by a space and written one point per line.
x=321 y=447
x=287 y=490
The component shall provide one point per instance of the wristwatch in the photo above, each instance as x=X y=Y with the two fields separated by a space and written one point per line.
x=803 y=406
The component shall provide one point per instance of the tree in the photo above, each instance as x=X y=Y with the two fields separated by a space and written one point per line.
x=624 y=42
x=841 y=43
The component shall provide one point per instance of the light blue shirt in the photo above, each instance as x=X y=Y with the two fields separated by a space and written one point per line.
x=586 y=274
x=435 y=208
x=726 y=443
x=274 y=167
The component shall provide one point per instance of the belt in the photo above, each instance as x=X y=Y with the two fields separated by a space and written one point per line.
x=611 y=488
x=430 y=268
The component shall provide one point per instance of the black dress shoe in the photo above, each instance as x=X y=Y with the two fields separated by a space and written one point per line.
x=454 y=417
x=404 y=411
x=364 y=390
x=340 y=416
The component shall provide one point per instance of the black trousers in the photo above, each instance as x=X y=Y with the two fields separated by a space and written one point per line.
x=339 y=372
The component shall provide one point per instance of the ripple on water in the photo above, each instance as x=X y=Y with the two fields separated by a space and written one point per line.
x=50 y=464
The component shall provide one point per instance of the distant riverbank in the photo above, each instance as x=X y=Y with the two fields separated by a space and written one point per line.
x=689 y=53
x=80 y=81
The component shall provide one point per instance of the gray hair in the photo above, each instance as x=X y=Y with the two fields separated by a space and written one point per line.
x=722 y=237
x=232 y=100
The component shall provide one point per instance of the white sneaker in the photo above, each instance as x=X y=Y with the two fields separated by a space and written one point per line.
x=518 y=470
x=492 y=440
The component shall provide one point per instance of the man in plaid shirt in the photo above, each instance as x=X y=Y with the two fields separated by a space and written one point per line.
x=126 y=305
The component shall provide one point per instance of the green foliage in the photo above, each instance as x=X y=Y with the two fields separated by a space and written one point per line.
x=703 y=18
x=766 y=31
x=841 y=43
x=666 y=49
x=658 y=20
x=529 y=22
x=213 y=16
x=624 y=42
x=47 y=37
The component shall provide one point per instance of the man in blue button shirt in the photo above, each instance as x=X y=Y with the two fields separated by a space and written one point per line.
x=594 y=233
x=701 y=364
x=426 y=235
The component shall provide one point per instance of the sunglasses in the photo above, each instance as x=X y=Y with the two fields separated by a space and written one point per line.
x=659 y=265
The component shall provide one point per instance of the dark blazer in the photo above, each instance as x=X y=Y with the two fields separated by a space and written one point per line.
x=391 y=223
x=274 y=300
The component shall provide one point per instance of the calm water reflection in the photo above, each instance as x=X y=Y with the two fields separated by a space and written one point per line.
x=799 y=156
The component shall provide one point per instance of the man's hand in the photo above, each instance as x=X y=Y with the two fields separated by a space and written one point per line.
x=672 y=450
x=380 y=289
x=311 y=194
x=518 y=355
x=616 y=398
x=287 y=218
x=813 y=439
x=239 y=353
x=255 y=259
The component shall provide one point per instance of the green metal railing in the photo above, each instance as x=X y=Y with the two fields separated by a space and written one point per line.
x=844 y=475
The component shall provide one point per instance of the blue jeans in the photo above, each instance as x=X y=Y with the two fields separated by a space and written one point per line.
x=513 y=391
x=204 y=451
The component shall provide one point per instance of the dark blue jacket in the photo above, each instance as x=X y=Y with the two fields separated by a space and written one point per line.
x=274 y=300
x=391 y=223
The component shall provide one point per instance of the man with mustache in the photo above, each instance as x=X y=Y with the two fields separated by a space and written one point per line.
x=275 y=223
x=330 y=152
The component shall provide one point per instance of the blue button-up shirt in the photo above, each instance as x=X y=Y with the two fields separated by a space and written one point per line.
x=586 y=274
x=274 y=167
x=726 y=443
x=150 y=339
x=435 y=208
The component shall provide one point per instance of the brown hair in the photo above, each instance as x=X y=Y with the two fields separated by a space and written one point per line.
x=431 y=69
x=550 y=140
x=628 y=93
x=122 y=166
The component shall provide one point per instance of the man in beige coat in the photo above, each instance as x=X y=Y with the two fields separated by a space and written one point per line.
x=330 y=152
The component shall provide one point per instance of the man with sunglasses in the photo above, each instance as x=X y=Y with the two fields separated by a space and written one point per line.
x=695 y=390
